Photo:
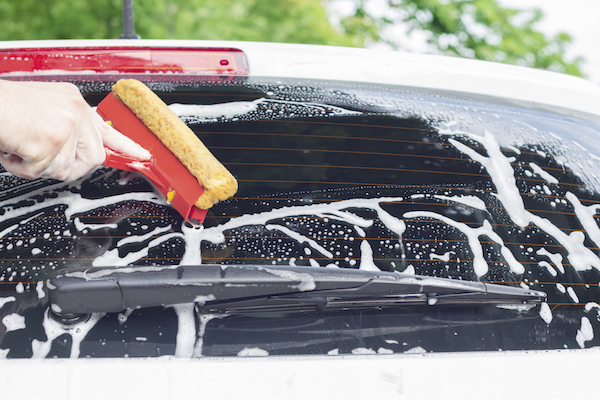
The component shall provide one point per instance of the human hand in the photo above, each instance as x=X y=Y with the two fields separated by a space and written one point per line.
x=48 y=130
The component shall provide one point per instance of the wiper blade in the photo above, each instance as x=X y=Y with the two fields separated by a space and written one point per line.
x=251 y=288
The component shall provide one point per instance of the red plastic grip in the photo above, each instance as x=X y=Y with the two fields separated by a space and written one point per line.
x=164 y=169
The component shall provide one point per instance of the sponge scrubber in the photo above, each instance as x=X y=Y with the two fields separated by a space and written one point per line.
x=218 y=182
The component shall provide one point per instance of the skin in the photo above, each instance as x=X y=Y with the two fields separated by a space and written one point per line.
x=47 y=130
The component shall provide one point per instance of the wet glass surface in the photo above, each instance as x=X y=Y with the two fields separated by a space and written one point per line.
x=331 y=175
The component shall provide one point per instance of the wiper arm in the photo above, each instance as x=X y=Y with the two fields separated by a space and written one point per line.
x=246 y=288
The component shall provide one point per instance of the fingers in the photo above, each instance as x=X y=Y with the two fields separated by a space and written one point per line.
x=60 y=166
x=31 y=169
x=115 y=140
x=93 y=136
x=89 y=152
x=13 y=164
x=78 y=156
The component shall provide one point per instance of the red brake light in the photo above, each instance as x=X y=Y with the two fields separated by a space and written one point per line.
x=125 y=60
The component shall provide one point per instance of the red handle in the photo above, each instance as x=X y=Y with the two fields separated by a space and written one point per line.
x=123 y=162
x=118 y=160
x=164 y=170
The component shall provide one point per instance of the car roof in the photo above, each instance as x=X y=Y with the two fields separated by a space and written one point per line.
x=524 y=85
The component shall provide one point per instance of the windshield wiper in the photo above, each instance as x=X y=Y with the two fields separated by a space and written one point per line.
x=250 y=288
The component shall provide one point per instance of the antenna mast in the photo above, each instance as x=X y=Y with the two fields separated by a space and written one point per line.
x=128 y=23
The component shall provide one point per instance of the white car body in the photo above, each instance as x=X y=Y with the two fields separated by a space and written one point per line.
x=551 y=374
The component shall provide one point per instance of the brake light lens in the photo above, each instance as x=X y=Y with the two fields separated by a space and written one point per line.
x=131 y=60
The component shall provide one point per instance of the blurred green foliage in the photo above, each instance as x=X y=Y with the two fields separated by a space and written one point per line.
x=294 y=21
x=485 y=30
x=470 y=28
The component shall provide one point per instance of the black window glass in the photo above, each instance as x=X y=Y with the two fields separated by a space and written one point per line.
x=339 y=175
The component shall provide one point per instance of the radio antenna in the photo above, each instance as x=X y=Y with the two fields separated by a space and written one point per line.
x=128 y=23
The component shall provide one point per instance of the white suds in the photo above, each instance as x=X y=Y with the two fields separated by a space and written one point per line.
x=80 y=226
x=546 y=313
x=366 y=257
x=8 y=230
x=500 y=170
x=186 y=330
x=363 y=350
x=549 y=268
x=39 y=288
x=193 y=237
x=307 y=281
x=542 y=174
x=252 y=352
x=445 y=257
x=202 y=299
x=586 y=214
x=13 y=322
x=590 y=306
x=301 y=239
x=4 y=300
x=516 y=307
x=54 y=329
x=416 y=350
x=585 y=333
x=204 y=319
x=410 y=270
x=479 y=263
x=112 y=258
x=556 y=258
x=499 y=167
x=20 y=288
x=361 y=232
x=212 y=112
x=141 y=238
x=471 y=201
x=572 y=294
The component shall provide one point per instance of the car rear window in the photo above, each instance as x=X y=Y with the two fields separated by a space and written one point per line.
x=339 y=175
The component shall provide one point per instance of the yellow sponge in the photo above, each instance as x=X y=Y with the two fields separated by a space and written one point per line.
x=217 y=181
